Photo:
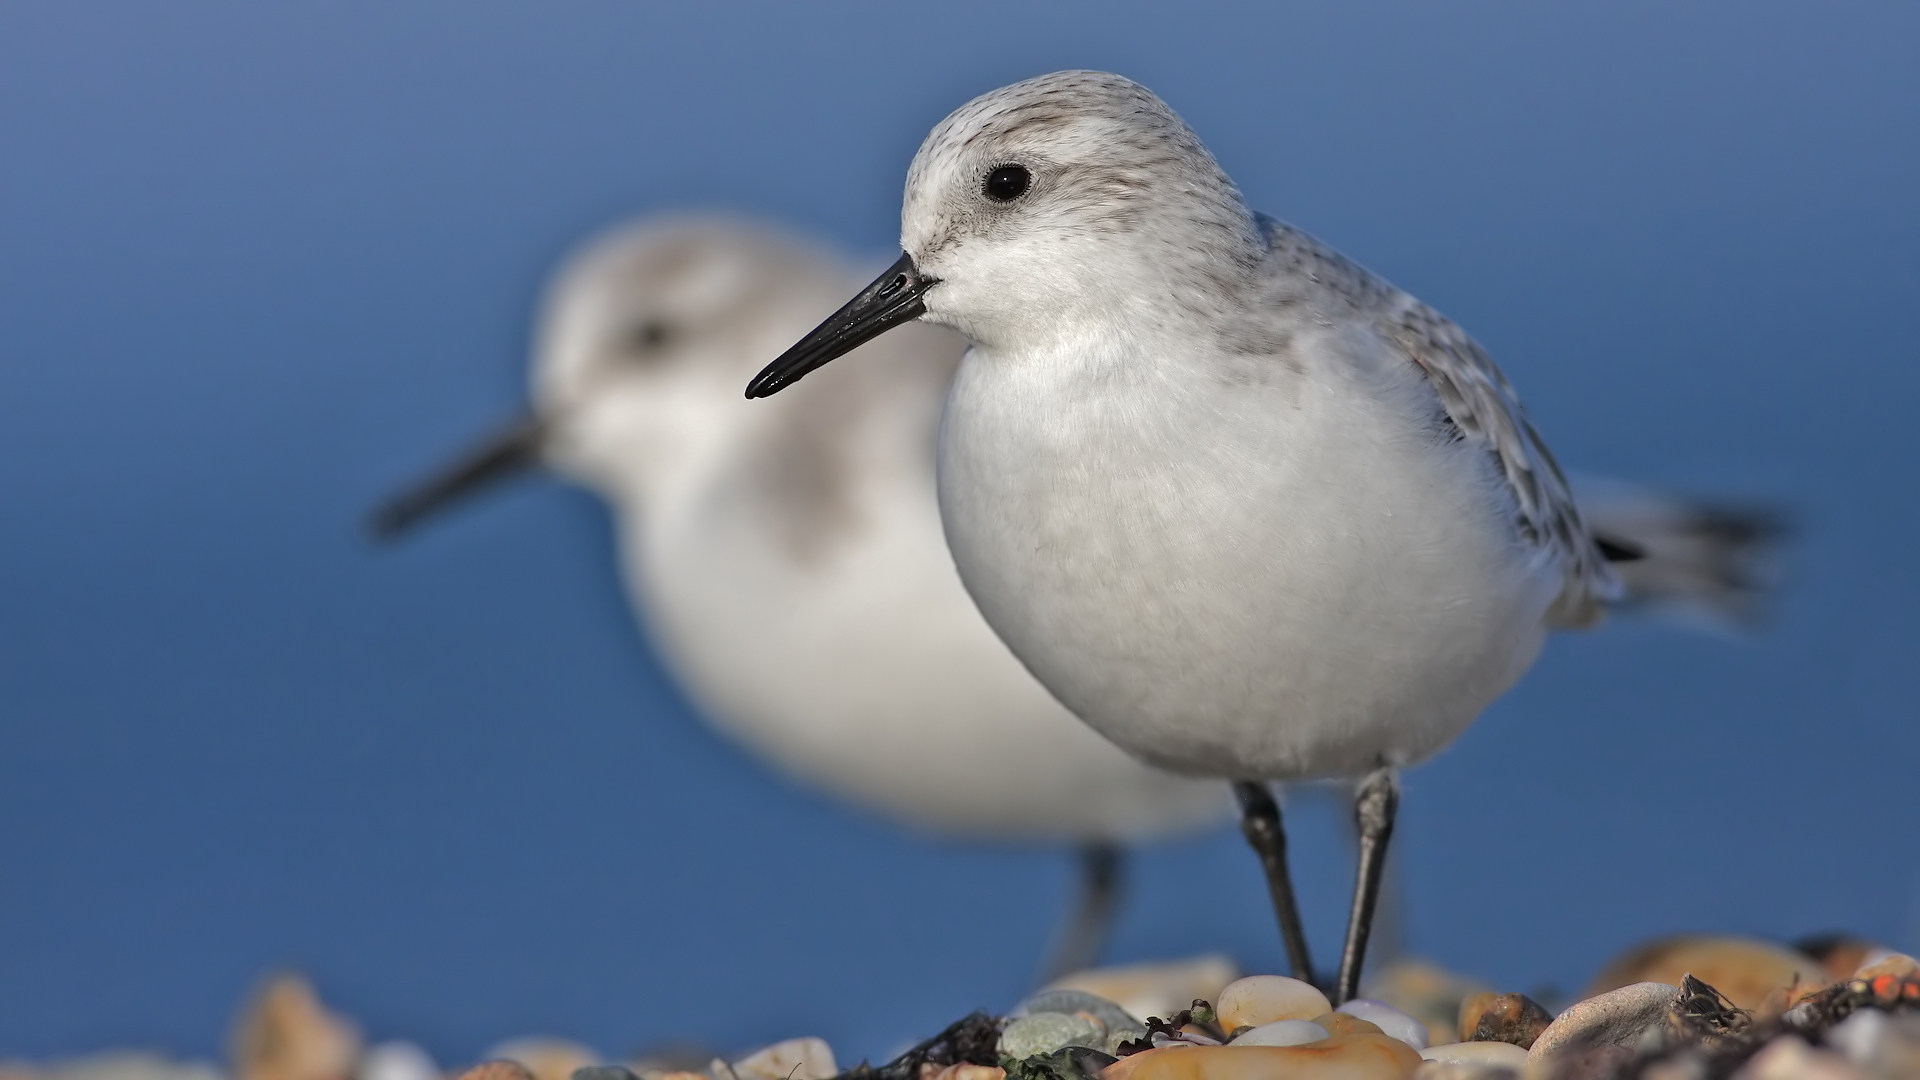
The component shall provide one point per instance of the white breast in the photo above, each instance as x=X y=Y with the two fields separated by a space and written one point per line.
x=1277 y=572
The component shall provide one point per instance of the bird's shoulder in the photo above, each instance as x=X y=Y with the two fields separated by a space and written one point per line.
x=1476 y=397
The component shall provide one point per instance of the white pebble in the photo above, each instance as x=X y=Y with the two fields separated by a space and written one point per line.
x=1859 y=1036
x=793 y=1059
x=396 y=1061
x=1282 y=1033
x=1262 y=999
x=1389 y=1020
x=1499 y=1054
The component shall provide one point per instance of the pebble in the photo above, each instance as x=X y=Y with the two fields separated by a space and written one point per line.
x=1365 y=1056
x=1282 y=1033
x=1790 y=1058
x=1617 y=1019
x=1426 y=992
x=111 y=1065
x=547 y=1059
x=1339 y=1024
x=1506 y=1018
x=962 y=1071
x=1455 y=1070
x=1885 y=1045
x=1187 y=1036
x=1898 y=965
x=1746 y=971
x=1107 y=1013
x=1143 y=990
x=1470 y=1009
x=1389 y=1020
x=1043 y=1033
x=497 y=1070
x=1262 y=999
x=683 y=1062
x=1114 y=1024
x=603 y=1072
x=1860 y=1036
x=285 y=1033
x=792 y=1059
x=1494 y=1054
x=395 y=1060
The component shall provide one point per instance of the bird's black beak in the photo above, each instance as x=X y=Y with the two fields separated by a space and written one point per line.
x=892 y=299
x=512 y=450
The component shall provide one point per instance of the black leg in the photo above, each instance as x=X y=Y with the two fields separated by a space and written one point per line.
x=1102 y=873
x=1374 y=803
x=1260 y=823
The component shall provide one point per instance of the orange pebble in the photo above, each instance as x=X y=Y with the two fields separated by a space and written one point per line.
x=1898 y=965
x=1350 y=1057
x=1470 y=1009
x=497 y=1070
x=1339 y=1023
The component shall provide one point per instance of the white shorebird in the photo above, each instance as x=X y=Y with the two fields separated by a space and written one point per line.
x=1250 y=511
x=789 y=563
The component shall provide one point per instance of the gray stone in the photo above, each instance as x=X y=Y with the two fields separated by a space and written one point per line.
x=1790 y=1058
x=1114 y=1025
x=1043 y=1033
x=1072 y=1002
x=1616 y=1019
x=603 y=1072
x=1881 y=1044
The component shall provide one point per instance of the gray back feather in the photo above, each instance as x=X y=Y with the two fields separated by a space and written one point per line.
x=1481 y=404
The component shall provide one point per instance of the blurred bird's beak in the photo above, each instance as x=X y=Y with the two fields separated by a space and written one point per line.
x=893 y=298
x=514 y=449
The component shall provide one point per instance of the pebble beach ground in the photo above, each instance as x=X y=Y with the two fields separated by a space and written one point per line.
x=1693 y=1008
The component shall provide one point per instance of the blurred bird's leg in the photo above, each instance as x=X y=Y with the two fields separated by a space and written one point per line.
x=1081 y=939
x=1260 y=824
x=1374 y=804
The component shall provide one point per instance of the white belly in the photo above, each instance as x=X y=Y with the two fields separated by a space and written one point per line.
x=1254 y=581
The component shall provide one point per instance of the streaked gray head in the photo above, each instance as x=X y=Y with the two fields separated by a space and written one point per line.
x=646 y=335
x=1066 y=193
x=1059 y=205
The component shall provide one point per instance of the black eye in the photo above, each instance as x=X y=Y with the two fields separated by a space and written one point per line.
x=649 y=336
x=1008 y=182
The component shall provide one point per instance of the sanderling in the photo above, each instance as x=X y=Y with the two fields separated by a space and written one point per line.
x=1247 y=509
x=789 y=564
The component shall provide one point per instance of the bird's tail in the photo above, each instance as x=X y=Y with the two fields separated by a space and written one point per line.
x=1712 y=560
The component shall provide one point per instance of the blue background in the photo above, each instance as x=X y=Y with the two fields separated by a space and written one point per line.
x=261 y=263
